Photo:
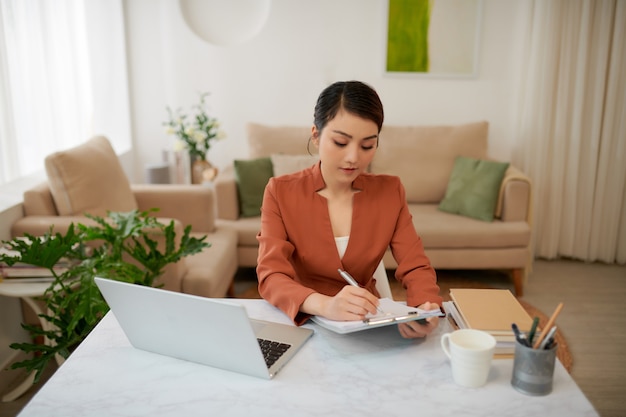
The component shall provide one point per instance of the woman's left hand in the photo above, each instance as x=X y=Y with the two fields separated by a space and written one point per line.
x=414 y=329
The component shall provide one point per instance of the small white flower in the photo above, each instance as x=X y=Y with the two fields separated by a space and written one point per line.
x=199 y=136
x=179 y=145
x=196 y=132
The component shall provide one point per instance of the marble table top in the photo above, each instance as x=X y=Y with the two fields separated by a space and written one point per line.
x=370 y=373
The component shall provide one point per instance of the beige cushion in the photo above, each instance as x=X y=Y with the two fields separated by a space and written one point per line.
x=89 y=179
x=247 y=230
x=445 y=230
x=210 y=272
x=423 y=156
x=267 y=140
x=287 y=164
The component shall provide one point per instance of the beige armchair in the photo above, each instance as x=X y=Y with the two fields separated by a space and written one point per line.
x=89 y=179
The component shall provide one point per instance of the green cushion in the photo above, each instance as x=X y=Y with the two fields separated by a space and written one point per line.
x=473 y=188
x=252 y=176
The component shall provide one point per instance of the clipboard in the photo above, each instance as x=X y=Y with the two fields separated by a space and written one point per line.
x=394 y=313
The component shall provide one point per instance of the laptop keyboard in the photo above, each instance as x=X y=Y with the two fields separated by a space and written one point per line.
x=272 y=350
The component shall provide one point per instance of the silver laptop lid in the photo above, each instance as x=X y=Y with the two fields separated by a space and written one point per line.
x=212 y=332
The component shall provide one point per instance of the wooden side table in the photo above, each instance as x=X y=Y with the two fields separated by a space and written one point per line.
x=26 y=291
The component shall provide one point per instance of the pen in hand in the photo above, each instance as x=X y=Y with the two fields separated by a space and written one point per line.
x=348 y=278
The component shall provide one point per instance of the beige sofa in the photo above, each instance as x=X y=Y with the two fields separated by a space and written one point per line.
x=90 y=179
x=423 y=157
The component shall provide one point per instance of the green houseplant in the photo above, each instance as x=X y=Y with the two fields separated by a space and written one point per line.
x=123 y=246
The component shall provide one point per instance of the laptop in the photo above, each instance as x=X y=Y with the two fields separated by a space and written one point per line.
x=208 y=331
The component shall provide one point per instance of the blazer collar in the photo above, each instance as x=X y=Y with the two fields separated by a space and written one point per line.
x=318 y=180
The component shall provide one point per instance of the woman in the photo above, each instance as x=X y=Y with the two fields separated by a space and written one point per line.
x=306 y=214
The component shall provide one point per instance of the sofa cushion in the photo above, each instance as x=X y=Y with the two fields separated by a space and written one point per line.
x=209 y=273
x=252 y=177
x=89 y=179
x=423 y=156
x=443 y=230
x=438 y=230
x=474 y=187
x=267 y=140
x=288 y=164
x=247 y=229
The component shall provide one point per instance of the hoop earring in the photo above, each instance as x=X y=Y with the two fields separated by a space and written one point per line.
x=308 y=145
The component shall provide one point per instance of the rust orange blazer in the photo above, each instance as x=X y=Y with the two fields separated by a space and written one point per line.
x=297 y=250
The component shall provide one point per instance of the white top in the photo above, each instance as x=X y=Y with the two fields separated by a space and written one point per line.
x=371 y=373
x=380 y=275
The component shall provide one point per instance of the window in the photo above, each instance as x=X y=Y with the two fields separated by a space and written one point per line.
x=62 y=63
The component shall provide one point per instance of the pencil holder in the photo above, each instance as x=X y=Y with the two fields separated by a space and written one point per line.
x=533 y=369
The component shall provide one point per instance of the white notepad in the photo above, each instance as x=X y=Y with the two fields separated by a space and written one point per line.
x=394 y=313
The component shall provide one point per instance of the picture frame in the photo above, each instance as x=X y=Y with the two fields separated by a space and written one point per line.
x=432 y=38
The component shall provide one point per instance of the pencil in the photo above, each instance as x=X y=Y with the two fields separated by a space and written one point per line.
x=548 y=325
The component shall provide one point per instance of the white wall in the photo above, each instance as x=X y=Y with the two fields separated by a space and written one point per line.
x=276 y=77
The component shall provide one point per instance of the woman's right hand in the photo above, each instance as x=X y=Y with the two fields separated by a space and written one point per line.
x=351 y=303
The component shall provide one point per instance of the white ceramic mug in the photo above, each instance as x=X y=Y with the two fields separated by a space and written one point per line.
x=470 y=352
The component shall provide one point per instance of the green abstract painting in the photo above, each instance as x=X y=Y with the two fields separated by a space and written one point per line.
x=407 y=38
x=432 y=36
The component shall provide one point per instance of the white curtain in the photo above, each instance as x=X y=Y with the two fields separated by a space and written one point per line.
x=572 y=128
x=54 y=85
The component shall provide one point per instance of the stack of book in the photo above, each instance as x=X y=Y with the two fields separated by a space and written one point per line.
x=23 y=272
x=490 y=310
x=27 y=273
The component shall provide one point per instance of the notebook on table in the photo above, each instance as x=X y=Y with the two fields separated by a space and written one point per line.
x=392 y=312
x=490 y=310
x=208 y=331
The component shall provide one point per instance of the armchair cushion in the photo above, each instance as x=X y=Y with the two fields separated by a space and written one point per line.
x=191 y=204
x=252 y=177
x=72 y=174
x=474 y=187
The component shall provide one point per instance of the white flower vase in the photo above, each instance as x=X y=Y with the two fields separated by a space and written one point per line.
x=202 y=171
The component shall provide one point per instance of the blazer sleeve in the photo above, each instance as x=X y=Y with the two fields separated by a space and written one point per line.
x=276 y=274
x=414 y=270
